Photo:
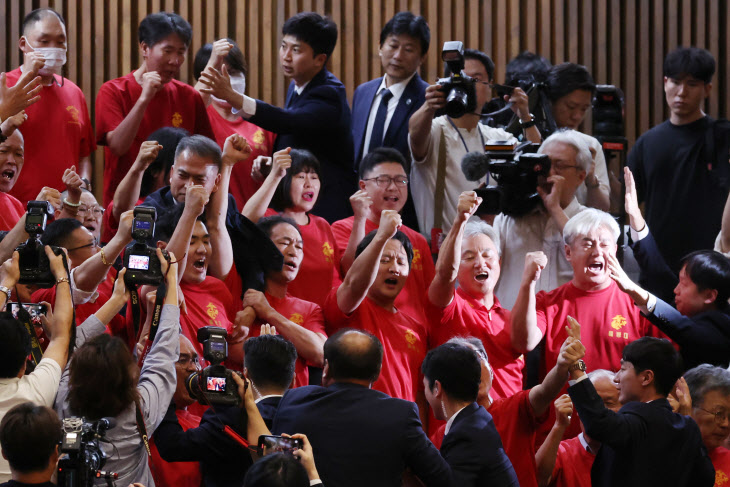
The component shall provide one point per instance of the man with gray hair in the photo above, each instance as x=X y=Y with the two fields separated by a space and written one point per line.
x=470 y=255
x=542 y=229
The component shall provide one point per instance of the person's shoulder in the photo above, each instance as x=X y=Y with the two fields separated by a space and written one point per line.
x=118 y=83
x=11 y=77
x=181 y=87
x=344 y=224
x=415 y=237
x=331 y=79
x=319 y=222
x=368 y=85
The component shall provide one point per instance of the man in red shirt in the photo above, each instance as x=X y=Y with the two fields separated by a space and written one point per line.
x=366 y=300
x=130 y=108
x=62 y=108
x=12 y=158
x=384 y=186
x=470 y=255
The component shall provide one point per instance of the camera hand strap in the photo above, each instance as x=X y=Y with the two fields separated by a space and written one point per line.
x=155 y=324
x=141 y=428
x=36 y=354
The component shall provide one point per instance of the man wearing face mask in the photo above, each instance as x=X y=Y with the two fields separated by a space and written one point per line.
x=62 y=107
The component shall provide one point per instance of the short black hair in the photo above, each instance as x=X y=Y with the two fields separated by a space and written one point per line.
x=201 y=146
x=709 y=270
x=690 y=61
x=301 y=161
x=14 y=346
x=526 y=68
x=234 y=59
x=58 y=232
x=270 y=361
x=168 y=138
x=410 y=25
x=277 y=470
x=565 y=78
x=268 y=223
x=316 y=30
x=482 y=58
x=659 y=356
x=349 y=361
x=707 y=378
x=29 y=435
x=456 y=367
x=399 y=236
x=379 y=156
x=37 y=15
x=159 y=26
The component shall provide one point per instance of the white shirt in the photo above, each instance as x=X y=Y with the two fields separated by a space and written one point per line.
x=529 y=233
x=397 y=90
x=248 y=108
x=451 y=420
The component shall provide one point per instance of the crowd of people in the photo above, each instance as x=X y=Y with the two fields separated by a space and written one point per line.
x=373 y=315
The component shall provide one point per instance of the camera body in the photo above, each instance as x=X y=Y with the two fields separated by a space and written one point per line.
x=143 y=266
x=33 y=261
x=460 y=91
x=214 y=384
x=608 y=112
x=81 y=455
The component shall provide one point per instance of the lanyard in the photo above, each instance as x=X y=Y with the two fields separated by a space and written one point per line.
x=458 y=132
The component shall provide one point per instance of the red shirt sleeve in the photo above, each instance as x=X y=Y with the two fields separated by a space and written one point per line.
x=109 y=111
x=334 y=318
x=88 y=144
x=540 y=310
x=202 y=122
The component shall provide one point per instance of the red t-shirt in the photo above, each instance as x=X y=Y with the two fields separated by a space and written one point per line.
x=176 y=474
x=720 y=458
x=465 y=316
x=572 y=465
x=57 y=134
x=303 y=313
x=404 y=342
x=242 y=187
x=11 y=211
x=413 y=298
x=175 y=105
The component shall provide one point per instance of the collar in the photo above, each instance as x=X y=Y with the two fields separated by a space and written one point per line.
x=397 y=88
x=266 y=397
x=451 y=419
x=475 y=303
x=299 y=89
x=585 y=444
x=573 y=208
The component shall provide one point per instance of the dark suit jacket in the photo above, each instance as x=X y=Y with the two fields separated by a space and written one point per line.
x=318 y=120
x=361 y=437
x=643 y=444
x=267 y=408
x=656 y=276
x=474 y=451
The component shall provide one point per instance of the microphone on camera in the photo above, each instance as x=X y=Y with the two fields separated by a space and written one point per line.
x=475 y=165
x=106 y=423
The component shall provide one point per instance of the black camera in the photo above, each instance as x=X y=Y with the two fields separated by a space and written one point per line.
x=33 y=261
x=608 y=112
x=81 y=455
x=461 y=97
x=214 y=384
x=516 y=172
x=143 y=266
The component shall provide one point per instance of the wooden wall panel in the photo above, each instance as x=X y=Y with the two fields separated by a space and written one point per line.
x=622 y=42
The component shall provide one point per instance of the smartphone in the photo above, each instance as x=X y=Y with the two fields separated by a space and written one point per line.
x=35 y=311
x=272 y=444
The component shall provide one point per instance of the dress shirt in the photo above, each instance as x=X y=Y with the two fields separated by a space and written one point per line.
x=397 y=90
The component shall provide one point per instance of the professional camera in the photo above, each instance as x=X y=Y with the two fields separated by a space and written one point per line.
x=516 y=172
x=608 y=112
x=143 y=266
x=33 y=261
x=461 y=97
x=214 y=384
x=81 y=456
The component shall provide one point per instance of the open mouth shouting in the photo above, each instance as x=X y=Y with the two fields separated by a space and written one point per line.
x=482 y=276
x=199 y=264
x=308 y=196
x=8 y=174
x=290 y=265
x=596 y=267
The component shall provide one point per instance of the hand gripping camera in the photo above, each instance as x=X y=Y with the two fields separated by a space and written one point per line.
x=33 y=261
x=143 y=266
x=214 y=384
x=81 y=455
x=461 y=97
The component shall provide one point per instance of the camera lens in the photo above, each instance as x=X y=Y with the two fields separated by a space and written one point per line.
x=456 y=102
x=192 y=384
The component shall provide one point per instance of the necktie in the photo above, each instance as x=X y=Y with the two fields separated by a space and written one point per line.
x=376 y=136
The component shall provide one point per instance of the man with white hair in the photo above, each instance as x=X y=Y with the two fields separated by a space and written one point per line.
x=470 y=254
x=542 y=229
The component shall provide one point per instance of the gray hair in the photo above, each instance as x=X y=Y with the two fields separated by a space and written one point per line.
x=201 y=146
x=480 y=227
x=598 y=374
x=574 y=139
x=706 y=378
x=588 y=220
x=471 y=342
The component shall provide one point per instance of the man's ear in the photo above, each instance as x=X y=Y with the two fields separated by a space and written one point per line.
x=217 y=183
x=320 y=60
x=708 y=89
x=567 y=252
x=172 y=169
x=437 y=390
x=582 y=176
x=709 y=296
x=245 y=373
x=647 y=377
x=361 y=184
x=144 y=49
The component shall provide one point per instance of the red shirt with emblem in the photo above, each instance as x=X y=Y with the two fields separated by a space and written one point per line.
x=303 y=313
x=404 y=343
x=57 y=134
x=11 y=211
x=413 y=298
x=176 y=474
x=242 y=186
x=572 y=465
x=175 y=105
x=720 y=458
x=466 y=316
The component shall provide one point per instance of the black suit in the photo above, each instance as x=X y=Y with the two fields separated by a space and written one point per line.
x=361 y=437
x=318 y=120
x=474 y=451
x=656 y=276
x=267 y=408
x=644 y=444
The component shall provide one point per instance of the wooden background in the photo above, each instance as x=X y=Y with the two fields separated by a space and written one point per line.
x=622 y=42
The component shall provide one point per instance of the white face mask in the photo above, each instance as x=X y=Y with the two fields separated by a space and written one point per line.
x=238 y=83
x=55 y=59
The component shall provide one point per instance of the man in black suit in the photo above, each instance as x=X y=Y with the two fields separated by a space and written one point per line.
x=645 y=443
x=472 y=447
x=316 y=116
x=361 y=437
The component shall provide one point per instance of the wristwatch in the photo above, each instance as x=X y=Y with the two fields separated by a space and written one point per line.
x=579 y=365
x=5 y=290
x=531 y=123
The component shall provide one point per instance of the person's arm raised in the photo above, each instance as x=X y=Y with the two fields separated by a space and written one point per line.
x=127 y=193
x=524 y=332
x=256 y=206
x=547 y=455
x=361 y=203
x=17 y=234
x=419 y=125
x=220 y=50
x=551 y=200
x=23 y=94
x=60 y=325
x=70 y=204
x=196 y=197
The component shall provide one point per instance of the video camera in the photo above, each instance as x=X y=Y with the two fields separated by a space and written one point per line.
x=35 y=267
x=82 y=458
x=143 y=266
x=608 y=112
x=214 y=384
x=516 y=171
x=461 y=97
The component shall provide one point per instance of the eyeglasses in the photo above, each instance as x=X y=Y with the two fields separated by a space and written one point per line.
x=563 y=167
x=94 y=243
x=384 y=181
x=185 y=360
x=720 y=416
x=98 y=211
